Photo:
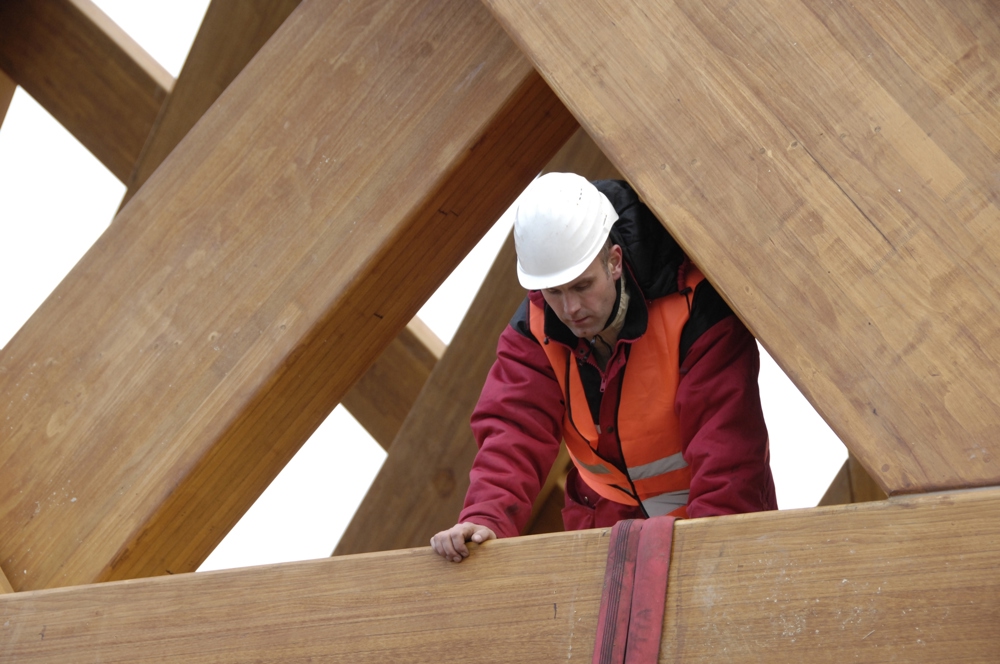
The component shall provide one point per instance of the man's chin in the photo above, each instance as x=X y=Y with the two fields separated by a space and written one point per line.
x=582 y=332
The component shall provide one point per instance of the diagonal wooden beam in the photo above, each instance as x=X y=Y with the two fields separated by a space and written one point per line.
x=385 y=394
x=84 y=70
x=238 y=295
x=7 y=88
x=230 y=35
x=910 y=579
x=852 y=484
x=421 y=486
x=827 y=165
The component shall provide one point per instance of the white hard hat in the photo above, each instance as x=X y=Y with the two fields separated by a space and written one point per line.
x=560 y=224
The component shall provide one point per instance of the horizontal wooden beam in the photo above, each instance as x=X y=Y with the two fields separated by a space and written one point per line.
x=829 y=166
x=908 y=579
x=246 y=287
x=231 y=33
x=84 y=70
x=911 y=579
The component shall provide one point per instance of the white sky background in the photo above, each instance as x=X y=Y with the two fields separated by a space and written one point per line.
x=58 y=199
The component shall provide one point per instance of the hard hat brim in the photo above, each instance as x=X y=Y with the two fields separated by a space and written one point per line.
x=556 y=279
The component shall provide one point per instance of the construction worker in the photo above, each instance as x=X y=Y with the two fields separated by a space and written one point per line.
x=625 y=351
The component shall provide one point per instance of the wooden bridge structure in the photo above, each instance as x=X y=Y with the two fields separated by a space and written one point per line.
x=315 y=172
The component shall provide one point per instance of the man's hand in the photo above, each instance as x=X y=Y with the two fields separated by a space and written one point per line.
x=450 y=543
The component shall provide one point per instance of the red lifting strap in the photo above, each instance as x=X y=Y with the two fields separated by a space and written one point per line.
x=635 y=592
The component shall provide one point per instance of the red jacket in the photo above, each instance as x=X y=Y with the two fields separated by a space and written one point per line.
x=517 y=422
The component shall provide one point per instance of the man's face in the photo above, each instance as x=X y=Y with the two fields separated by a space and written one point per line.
x=584 y=304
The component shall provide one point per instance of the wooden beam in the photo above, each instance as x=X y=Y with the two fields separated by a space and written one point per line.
x=852 y=484
x=230 y=35
x=828 y=166
x=422 y=484
x=84 y=70
x=405 y=606
x=384 y=395
x=910 y=579
x=7 y=88
x=5 y=586
x=905 y=579
x=239 y=294
x=546 y=513
x=581 y=155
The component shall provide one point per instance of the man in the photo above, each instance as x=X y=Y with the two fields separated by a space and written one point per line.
x=625 y=351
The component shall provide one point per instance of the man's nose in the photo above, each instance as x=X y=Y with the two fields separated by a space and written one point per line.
x=572 y=304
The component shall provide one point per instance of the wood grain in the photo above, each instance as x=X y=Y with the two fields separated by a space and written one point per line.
x=230 y=35
x=5 y=586
x=910 y=579
x=526 y=600
x=289 y=238
x=385 y=394
x=421 y=486
x=829 y=166
x=85 y=71
x=852 y=484
x=581 y=155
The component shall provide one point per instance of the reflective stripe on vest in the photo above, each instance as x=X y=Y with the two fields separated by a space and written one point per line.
x=646 y=425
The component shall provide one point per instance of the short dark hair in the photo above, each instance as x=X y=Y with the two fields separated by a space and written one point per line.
x=605 y=252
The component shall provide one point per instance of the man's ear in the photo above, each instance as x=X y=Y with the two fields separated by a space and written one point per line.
x=615 y=265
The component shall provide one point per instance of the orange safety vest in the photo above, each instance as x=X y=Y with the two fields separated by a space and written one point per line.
x=647 y=427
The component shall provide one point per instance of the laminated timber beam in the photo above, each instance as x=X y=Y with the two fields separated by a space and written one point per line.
x=246 y=287
x=421 y=486
x=385 y=394
x=87 y=73
x=829 y=166
x=231 y=33
x=871 y=583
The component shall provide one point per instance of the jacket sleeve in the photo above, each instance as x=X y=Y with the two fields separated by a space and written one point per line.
x=517 y=425
x=722 y=425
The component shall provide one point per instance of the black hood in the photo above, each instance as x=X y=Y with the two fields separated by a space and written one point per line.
x=652 y=254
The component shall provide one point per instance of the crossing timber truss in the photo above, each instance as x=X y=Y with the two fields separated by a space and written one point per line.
x=316 y=171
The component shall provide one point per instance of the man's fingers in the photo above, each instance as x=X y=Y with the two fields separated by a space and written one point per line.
x=481 y=534
x=458 y=548
x=450 y=544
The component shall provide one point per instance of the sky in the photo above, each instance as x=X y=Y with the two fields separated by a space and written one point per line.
x=58 y=199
